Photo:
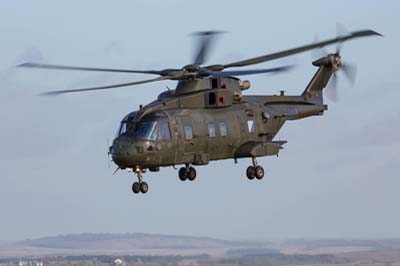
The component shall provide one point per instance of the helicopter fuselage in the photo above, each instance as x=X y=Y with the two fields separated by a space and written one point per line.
x=210 y=119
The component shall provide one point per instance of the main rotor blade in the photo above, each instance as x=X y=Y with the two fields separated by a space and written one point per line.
x=268 y=57
x=207 y=39
x=61 y=67
x=108 y=86
x=250 y=71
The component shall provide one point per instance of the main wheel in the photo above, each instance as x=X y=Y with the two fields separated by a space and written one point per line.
x=191 y=174
x=183 y=174
x=250 y=172
x=144 y=187
x=259 y=172
x=136 y=187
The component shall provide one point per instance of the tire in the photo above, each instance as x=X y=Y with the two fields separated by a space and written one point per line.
x=136 y=187
x=250 y=172
x=144 y=187
x=259 y=172
x=191 y=174
x=183 y=174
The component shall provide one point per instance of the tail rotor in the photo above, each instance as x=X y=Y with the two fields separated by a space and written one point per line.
x=334 y=60
x=349 y=70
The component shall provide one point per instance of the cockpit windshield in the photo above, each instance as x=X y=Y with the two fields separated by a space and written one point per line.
x=146 y=130
x=152 y=130
x=151 y=127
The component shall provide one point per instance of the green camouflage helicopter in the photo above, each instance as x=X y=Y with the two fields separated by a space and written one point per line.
x=208 y=118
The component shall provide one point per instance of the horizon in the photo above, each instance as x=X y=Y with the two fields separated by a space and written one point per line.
x=272 y=240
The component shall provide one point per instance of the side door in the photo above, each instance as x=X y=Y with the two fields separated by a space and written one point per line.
x=241 y=128
x=187 y=140
x=225 y=137
x=167 y=141
x=236 y=130
x=212 y=138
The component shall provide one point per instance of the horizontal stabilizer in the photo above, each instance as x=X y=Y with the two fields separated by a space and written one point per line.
x=258 y=149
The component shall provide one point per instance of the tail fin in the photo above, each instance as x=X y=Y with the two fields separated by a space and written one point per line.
x=326 y=68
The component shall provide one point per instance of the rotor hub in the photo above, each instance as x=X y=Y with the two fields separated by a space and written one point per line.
x=332 y=60
x=192 y=68
x=336 y=61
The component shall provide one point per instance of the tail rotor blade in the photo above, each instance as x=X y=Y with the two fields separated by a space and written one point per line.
x=331 y=91
x=318 y=52
x=341 y=30
x=350 y=71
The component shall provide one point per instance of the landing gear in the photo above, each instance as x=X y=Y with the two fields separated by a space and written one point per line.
x=259 y=172
x=136 y=187
x=191 y=175
x=144 y=187
x=251 y=172
x=182 y=174
x=255 y=171
x=140 y=185
x=187 y=173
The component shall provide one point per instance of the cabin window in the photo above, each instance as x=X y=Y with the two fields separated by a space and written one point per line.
x=212 y=98
x=251 y=126
x=222 y=128
x=188 y=132
x=163 y=130
x=211 y=130
x=214 y=83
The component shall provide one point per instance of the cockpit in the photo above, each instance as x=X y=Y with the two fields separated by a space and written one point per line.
x=151 y=127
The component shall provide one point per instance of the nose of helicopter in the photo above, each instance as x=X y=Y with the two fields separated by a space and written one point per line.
x=122 y=150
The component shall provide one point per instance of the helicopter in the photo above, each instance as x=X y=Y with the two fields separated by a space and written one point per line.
x=207 y=117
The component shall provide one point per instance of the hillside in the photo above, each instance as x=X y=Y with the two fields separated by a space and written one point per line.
x=127 y=241
x=158 y=244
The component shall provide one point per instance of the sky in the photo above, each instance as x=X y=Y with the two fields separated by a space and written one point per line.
x=336 y=177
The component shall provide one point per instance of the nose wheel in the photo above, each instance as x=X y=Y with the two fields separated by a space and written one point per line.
x=140 y=185
x=255 y=171
x=187 y=173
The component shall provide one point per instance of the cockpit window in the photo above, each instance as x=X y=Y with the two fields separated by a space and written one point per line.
x=163 y=130
x=153 y=128
x=146 y=130
x=126 y=124
x=121 y=129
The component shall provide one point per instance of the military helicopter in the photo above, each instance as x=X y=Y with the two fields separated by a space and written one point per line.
x=206 y=117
